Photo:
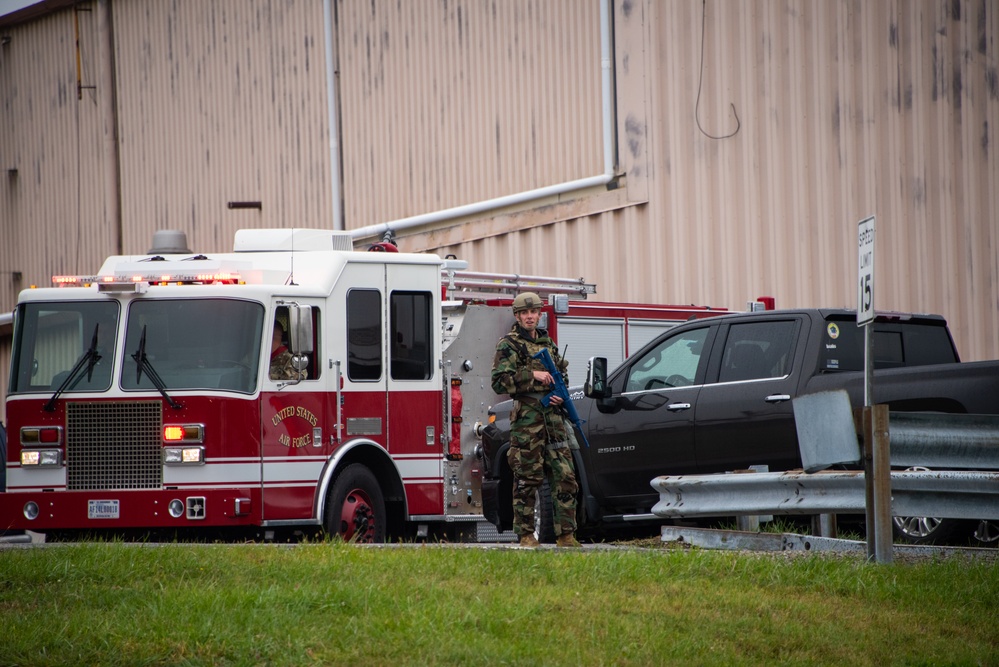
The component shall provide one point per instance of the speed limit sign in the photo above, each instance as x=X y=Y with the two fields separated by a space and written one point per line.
x=865 y=270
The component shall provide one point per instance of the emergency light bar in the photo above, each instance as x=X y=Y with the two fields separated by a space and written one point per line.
x=120 y=282
x=199 y=270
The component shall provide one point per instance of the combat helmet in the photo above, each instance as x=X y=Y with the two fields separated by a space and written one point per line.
x=526 y=300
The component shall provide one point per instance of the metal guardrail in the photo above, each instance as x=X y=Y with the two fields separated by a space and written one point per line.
x=827 y=436
x=945 y=494
x=965 y=442
x=712 y=538
x=959 y=452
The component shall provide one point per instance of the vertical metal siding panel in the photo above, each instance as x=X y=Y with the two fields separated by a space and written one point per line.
x=686 y=214
x=221 y=101
x=848 y=108
x=985 y=341
x=52 y=206
x=490 y=110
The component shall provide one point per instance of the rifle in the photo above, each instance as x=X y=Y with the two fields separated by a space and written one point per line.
x=561 y=391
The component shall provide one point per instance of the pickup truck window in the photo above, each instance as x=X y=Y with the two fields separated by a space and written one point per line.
x=895 y=345
x=672 y=363
x=757 y=350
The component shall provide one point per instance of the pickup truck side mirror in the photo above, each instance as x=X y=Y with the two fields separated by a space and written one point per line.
x=596 y=379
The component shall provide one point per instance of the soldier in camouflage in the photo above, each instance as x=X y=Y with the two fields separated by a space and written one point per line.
x=282 y=365
x=539 y=443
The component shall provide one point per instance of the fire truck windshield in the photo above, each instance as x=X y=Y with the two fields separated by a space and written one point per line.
x=193 y=344
x=52 y=339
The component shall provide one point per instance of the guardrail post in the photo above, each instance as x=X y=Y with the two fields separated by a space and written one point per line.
x=825 y=525
x=877 y=483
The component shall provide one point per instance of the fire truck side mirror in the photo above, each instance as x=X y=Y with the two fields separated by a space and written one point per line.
x=596 y=379
x=300 y=329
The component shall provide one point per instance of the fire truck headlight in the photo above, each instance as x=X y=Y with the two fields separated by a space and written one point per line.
x=41 y=458
x=31 y=510
x=176 y=508
x=179 y=456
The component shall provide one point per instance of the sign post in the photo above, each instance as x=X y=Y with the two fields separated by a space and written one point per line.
x=876 y=455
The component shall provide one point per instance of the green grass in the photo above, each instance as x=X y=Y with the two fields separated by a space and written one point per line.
x=330 y=603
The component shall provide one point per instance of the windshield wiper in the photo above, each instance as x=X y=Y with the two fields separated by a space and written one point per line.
x=142 y=363
x=90 y=357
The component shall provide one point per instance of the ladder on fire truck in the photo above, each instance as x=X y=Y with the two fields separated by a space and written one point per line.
x=462 y=285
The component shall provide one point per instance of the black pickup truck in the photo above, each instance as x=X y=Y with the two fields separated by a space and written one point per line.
x=714 y=395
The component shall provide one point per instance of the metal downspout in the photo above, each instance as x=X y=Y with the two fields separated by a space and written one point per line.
x=607 y=83
x=331 y=108
x=108 y=91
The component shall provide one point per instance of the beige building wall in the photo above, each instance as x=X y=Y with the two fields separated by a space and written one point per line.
x=749 y=140
x=755 y=136
x=221 y=103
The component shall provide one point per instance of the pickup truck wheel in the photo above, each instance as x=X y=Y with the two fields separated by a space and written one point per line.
x=927 y=529
x=544 y=515
x=355 y=509
x=987 y=533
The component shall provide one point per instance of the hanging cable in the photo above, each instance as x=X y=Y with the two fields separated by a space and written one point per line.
x=700 y=81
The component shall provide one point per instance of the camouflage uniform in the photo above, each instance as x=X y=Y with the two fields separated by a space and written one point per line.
x=282 y=367
x=538 y=441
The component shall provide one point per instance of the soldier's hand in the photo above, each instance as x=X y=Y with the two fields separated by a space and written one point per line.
x=544 y=377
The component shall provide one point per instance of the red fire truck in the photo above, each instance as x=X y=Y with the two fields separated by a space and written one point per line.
x=142 y=397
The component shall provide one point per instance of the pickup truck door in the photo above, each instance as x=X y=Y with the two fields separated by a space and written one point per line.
x=647 y=430
x=744 y=414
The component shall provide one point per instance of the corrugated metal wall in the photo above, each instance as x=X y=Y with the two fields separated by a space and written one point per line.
x=221 y=101
x=449 y=103
x=52 y=199
x=830 y=112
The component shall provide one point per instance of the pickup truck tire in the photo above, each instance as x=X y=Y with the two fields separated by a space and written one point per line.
x=986 y=533
x=929 y=530
x=355 y=508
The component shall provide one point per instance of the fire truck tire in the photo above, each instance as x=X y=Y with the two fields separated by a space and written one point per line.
x=355 y=507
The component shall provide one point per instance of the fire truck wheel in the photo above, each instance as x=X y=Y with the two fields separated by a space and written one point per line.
x=355 y=508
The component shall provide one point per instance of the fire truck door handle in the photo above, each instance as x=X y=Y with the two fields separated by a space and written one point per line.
x=677 y=407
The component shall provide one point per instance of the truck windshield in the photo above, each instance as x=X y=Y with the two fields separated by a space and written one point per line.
x=50 y=339
x=193 y=344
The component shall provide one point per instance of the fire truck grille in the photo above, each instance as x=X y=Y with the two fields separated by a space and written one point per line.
x=114 y=445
